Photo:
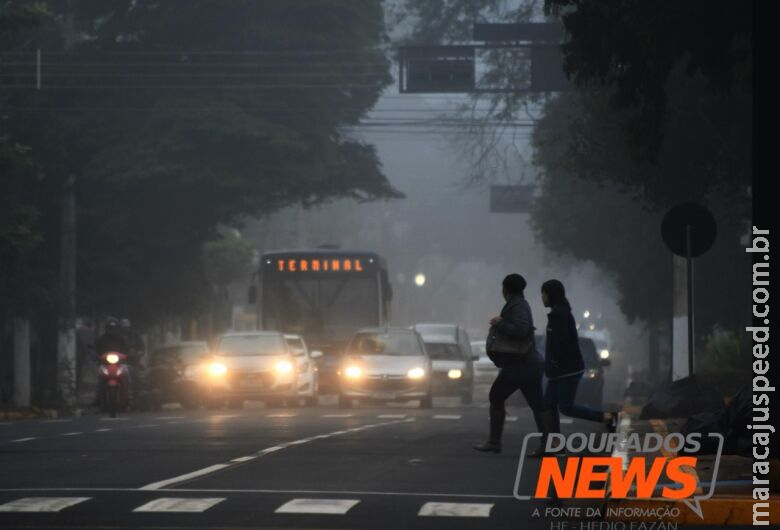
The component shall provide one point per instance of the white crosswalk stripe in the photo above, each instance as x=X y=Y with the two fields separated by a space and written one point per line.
x=392 y=416
x=447 y=417
x=338 y=415
x=455 y=509
x=567 y=420
x=320 y=506
x=41 y=504
x=169 y=504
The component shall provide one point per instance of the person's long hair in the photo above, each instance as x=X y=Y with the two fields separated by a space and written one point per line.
x=556 y=293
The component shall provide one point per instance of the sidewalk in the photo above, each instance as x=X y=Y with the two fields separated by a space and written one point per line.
x=732 y=501
x=26 y=414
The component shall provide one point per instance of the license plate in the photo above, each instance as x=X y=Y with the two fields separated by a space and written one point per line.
x=383 y=395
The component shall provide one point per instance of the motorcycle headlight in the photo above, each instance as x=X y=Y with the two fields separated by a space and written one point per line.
x=112 y=358
x=591 y=373
x=416 y=373
x=455 y=374
x=217 y=369
x=353 y=372
x=283 y=367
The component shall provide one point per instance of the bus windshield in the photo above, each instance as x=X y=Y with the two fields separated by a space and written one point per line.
x=329 y=308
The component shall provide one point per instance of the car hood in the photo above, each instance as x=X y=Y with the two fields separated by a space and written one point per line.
x=386 y=364
x=252 y=363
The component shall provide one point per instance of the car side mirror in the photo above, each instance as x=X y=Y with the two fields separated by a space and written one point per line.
x=605 y=362
x=316 y=354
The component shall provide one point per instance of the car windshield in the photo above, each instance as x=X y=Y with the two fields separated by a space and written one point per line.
x=237 y=345
x=441 y=351
x=435 y=329
x=385 y=344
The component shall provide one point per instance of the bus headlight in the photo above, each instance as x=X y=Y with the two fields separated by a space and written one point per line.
x=283 y=367
x=604 y=354
x=217 y=369
x=416 y=373
x=455 y=374
x=353 y=372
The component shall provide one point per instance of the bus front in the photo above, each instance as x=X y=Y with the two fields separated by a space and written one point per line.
x=325 y=296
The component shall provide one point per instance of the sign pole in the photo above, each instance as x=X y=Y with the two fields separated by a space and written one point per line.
x=689 y=258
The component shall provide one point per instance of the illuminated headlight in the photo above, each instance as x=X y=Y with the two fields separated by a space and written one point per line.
x=591 y=373
x=283 y=367
x=416 y=373
x=455 y=374
x=604 y=354
x=353 y=372
x=112 y=358
x=217 y=369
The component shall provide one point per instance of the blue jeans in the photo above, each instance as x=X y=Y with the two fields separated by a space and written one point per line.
x=559 y=396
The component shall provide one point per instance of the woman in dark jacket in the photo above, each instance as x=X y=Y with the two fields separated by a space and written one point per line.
x=517 y=372
x=563 y=364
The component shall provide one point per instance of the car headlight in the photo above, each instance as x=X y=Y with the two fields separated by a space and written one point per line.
x=416 y=373
x=455 y=374
x=604 y=354
x=283 y=367
x=591 y=373
x=217 y=369
x=353 y=372
x=112 y=358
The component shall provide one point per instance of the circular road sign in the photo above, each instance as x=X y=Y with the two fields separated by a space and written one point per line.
x=702 y=224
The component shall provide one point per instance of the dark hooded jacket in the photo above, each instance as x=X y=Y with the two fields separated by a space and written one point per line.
x=517 y=321
x=562 y=350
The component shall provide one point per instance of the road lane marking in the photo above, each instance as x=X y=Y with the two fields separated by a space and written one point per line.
x=170 y=418
x=103 y=430
x=114 y=419
x=454 y=509
x=337 y=416
x=511 y=418
x=224 y=416
x=567 y=420
x=391 y=416
x=168 y=504
x=41 y=504
x=447 y=417
x=285 y=492
x=182 y=478
x=281 y=416
x=244 y=459
x=319 y=506
x=218 y=467
x=24 y=439
x=72 y=433
x=146 y=426
x=57 y=421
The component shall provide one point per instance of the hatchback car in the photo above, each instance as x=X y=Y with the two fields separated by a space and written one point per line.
x=385 y=364
x=252 y=365
x=308 y=377
x=173 y=374
x=452 y=359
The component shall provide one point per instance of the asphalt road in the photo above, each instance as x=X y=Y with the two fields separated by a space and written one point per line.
x=379 y=467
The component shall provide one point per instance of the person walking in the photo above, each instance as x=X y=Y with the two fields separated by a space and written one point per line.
x=563 y=363
x=512 y=349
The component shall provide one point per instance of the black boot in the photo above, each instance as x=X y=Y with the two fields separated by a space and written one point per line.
x=493 y=445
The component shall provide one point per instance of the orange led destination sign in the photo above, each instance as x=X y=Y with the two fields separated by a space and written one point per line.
x=318 y=264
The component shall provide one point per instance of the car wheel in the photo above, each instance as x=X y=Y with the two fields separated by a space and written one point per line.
x=426 y=402
x=345 y=402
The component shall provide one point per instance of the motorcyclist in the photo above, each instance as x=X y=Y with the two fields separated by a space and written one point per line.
x=113 y=340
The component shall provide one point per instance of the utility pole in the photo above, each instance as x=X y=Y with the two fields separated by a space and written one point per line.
x=66 y=339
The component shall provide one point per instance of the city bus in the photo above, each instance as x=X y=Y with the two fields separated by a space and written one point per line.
x=325 y=295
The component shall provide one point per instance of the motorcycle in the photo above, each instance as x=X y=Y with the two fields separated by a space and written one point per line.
x=113 y=383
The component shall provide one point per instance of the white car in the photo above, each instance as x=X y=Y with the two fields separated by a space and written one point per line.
x=485 y=371
x=308 y=380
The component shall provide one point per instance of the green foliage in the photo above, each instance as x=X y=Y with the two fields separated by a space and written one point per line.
x=722 y=352
x=177 y=116
x=227 y=258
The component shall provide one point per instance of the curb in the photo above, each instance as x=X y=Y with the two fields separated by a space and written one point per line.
x=33 y=413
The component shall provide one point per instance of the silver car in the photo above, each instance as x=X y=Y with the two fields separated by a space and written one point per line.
x=385 y=364
x=252 y=365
